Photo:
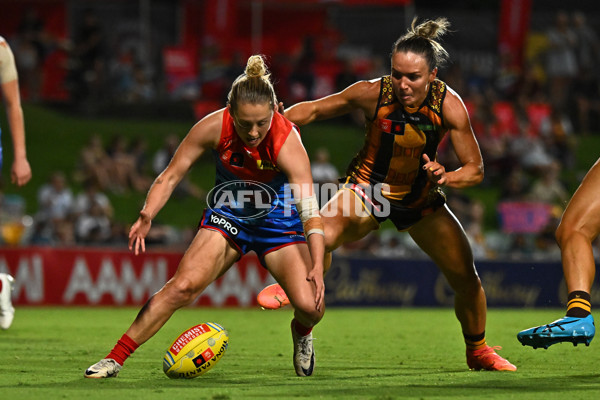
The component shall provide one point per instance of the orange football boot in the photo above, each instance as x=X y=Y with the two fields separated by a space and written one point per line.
x=486 y=358
x=272 y=297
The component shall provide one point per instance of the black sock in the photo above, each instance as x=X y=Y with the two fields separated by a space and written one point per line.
x=474 y=342
x=578 y=304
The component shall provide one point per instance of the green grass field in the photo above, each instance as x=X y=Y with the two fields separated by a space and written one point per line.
x=361 y=354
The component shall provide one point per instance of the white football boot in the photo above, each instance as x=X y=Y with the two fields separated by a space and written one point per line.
x=7 y=311
x=304 y=353
x=105 y=368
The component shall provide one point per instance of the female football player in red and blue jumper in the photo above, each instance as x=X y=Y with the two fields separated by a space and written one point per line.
x=263 y=201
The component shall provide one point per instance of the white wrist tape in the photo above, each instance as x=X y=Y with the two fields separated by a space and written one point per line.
x=316 y=230
x=308 y=208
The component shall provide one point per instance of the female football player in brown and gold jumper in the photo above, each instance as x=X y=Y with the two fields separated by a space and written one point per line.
x=396 y=174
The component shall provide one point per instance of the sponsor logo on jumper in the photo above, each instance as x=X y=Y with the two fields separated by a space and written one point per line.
x=391 y=126
x=237 y=160
x=265 y=164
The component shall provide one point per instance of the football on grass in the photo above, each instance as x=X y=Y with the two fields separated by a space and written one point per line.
x=196 y=351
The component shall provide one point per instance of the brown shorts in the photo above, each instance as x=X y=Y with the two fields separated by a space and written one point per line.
x=401 y=216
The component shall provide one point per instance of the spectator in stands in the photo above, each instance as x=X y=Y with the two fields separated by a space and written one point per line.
x=31 y=47
x=561 y=60
x=588 y=46
x=508 y=76
x=91 y=195
x=122 y=73
x=343 y=79
x=578 y=229
x=124 y=175
x=53 y=219
x=302 y=77
x=142 y=89
x=404 y=170
x=548 y=188
x=515 y=184
x=530 y=152
x=20 y=172
x=471 y=213
x=94 y=164
x=88 y=59
x=93 y=226
x=138 y=149
x=531 y=85
x=392 y=247
x=493 y=146
x=162 y=158
x=558 y=137
x=587 y=90
x=323 y=171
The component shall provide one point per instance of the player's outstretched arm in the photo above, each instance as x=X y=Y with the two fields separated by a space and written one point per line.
x=205 y=134
x=361 y=95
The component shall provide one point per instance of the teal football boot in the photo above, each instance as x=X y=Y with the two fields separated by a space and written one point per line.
x=566 y=329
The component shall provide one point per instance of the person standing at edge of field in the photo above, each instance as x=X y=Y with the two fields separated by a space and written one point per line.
x=408 y=113
x=252 y=143
x=20 y=172
x=578 y=228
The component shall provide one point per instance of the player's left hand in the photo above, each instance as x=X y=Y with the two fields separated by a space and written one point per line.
x=436 y=172
x=316 y=276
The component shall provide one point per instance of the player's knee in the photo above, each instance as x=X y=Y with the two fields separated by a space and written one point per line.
x=182 y=291
x=468 y=286
x=574 y=232
x=309 y=311
x=563 y=233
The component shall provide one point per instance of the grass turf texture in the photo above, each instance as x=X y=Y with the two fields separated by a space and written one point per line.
x=361 y=354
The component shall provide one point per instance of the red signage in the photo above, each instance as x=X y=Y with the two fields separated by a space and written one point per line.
x=50 y=276
x=513 y=29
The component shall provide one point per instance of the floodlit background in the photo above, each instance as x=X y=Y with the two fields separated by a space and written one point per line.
x=110 y=87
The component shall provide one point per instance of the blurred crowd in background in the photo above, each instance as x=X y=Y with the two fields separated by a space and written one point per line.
x=527 y=120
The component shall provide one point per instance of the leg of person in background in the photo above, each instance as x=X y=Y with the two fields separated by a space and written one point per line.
x=578 y=228
x=7 y=311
